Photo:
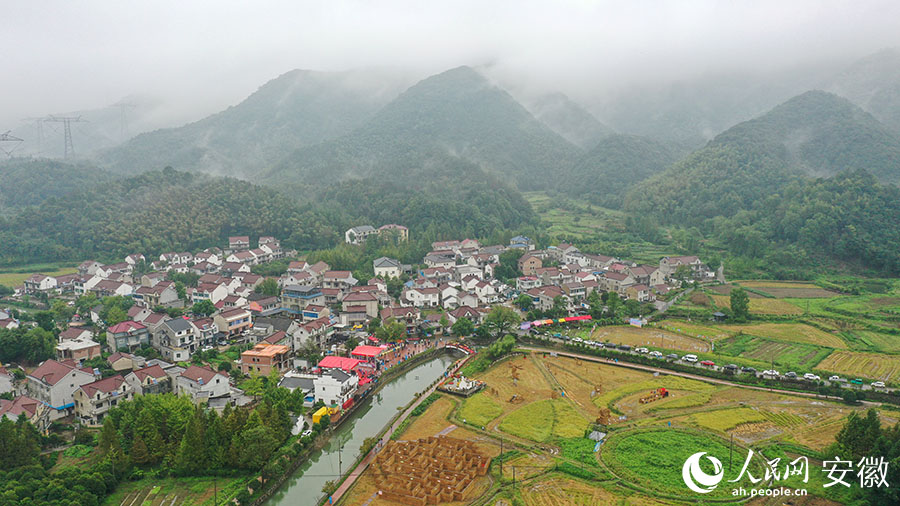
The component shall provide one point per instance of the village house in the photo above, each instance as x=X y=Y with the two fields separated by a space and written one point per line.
x=7 y=382
x=400 y=231
x=341 y=280
x=407 y=315
x=640 y=293
x=295 y=298
x=440 y=260
x=265 y=357
x=668 y=266
x=422 y=297
x=94 y=400
x=336 y=388
x=149 y=381
x=125 y=361
x=39 y=283
x=617 y=282
x=543 y=296
x=207 y=291
x=316 y=331
x=176 y=339
x=239 y=242
x=357 y=235
x=36 y=412
x=75 y=333
x=521 y=242
x=54 y=383
x=162 y=293
x=472 y=314
x=77 y=349
x=361 y=299
x=233 y=322
x=387 y=267
x=128 y=336
x=201 y=384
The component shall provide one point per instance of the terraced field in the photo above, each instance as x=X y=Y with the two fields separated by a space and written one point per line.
x=782 y=289
x=789 y=332
x=649 y=336
x=762 y=305
x=874 y=366
x=800 y=356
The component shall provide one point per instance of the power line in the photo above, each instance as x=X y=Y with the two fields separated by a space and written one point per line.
x=9 y=143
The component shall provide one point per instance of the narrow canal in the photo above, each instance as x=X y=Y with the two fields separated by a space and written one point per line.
x=304 y=488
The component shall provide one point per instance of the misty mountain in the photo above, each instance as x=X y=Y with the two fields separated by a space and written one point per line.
x=816 y=134
x=618 y=162
x=690 y=113
x=873 y=83
x=29 y=182
x=299 y=108
x=442 y=123
x=570 y=120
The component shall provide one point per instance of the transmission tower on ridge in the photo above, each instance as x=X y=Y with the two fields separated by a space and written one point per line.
x=9 y=143
x=67 y=121
x=124 y=107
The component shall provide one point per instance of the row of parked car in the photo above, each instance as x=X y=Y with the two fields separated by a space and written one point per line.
x=690 y=358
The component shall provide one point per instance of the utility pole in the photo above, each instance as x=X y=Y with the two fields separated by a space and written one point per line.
x=69 y=148
x=124 y=107
x=340 y=447
x=501 y=458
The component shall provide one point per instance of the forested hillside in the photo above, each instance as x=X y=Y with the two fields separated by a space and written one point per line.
x=850 y=217
x=873 y=83
x=456 y=115
x=26 y=182
x=606 y=172
x=565 y=117
x=299 y=108
x=814 y=134
x=156 y=212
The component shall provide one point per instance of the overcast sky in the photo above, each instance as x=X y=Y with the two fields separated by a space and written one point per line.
x=201 y=56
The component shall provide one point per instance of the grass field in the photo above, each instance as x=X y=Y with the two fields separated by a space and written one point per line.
x=16 y=276
x=875 y=366
x=649 y=336
x=480 y=409
x=653 y=459
x=706 y=332
x=723 y=420
x=609 y=398
x=540 y=420
x=761 y=305
x=782 y=289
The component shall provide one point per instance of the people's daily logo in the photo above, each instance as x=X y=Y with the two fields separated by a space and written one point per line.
x=698 y=480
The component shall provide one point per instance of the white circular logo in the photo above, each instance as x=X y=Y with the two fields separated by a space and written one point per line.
x=696 y=479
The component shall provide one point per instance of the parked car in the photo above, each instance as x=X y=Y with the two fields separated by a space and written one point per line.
x=730 y=368
x=751 y=370
x=672 y=356
x=790 y=374
x=811 y=377
x=834 y=378
x=878 y=384
x=624 y=347
x=306 y=433
x=771 y=372
x=578 y=340
x=708 y=363
x=856 y=381
x=642 y=350
x=656 y=354
x=689 y=358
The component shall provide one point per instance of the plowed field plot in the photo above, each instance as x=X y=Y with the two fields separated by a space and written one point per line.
x=789 y=332
x=726 y=290
x=634 y=336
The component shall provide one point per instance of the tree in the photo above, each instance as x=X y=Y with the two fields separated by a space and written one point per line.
x=740 y=304
x=524 y=302
x=204 y=307
x=444 y=322
x=44 y=320
x=116 y=315
x=613 y=304
x=191 y=456
x=374 y=323
x=139 y=453
x=181 y=290
x=463 y=327
x=391 y=330
x=858 y=436
x=62 y=312
x=268 y=287
x=501 y=320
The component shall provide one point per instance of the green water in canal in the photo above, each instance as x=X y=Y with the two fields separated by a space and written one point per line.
x=304 y=488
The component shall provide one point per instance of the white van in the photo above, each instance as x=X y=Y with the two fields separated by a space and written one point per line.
x=689 y=358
